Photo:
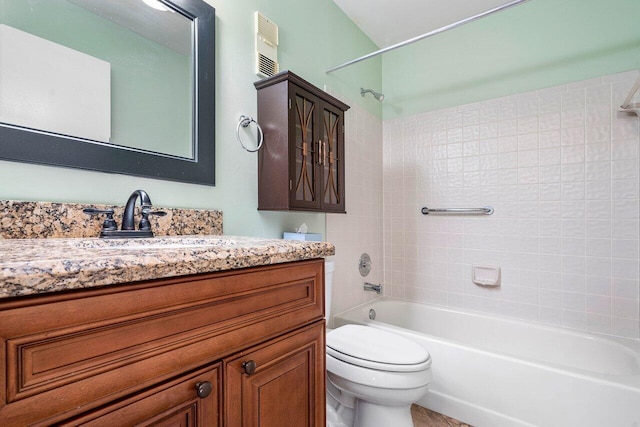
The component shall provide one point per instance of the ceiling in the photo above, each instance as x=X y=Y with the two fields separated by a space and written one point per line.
x=387 y=22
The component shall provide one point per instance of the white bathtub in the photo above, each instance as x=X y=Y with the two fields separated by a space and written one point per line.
x=490 y=371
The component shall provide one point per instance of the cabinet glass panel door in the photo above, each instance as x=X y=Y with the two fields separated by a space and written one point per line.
x=331 y=158
x=304 y=191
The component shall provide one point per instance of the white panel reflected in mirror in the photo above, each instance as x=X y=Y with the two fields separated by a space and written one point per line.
x=46 y=86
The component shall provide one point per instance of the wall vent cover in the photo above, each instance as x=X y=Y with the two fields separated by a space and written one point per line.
x=266 y=46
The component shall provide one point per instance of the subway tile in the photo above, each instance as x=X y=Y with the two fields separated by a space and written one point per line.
x=550 y=156
x=623 y=228
x=573 y=99
x=471 y=133
x=626 y=249
x=598 y=247
x=507 y=144
x=600 y=324
x=550 y=192
x=551 y=316
x=625 y=209
x=598 y=209
x=572 y=154
x=628 y=328
x=625 y=288
x=597 y=171
x=598 y=285
x=549 y=121
x=573 y=246
x=573 y=282
x=573 y=191
x=550 y=173
x=548 y=139
x=624 y=149
x=573 y=118
x=624 y=128
x=550 y=280
x=598 y=190
x=572 y=136
x=573 y=301
x=599 y=94
x=549 y=245
x=627 y=308
x=507 y=127
x=528 y=158
x=625 y=189
x=573 y=172
x=597 y=134
x=550 y=298
x=574 y=319
x=625 y=169
x=528 y=175
x=508 y=160
x=598 y=114
x=598 y=304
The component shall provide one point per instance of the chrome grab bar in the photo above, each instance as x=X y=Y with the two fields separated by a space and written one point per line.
x=487 y=210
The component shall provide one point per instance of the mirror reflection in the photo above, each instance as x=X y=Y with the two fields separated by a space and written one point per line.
x=117 y=73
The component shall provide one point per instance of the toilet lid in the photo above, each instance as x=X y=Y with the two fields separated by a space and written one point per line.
x=373 y=347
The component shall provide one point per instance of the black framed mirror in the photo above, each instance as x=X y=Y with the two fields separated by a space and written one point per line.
x=153 y=59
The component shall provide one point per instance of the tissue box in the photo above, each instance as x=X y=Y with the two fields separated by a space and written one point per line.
x=310 y=237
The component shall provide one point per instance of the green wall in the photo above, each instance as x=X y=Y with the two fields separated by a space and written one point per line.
x=314 y=34
x=537 y=44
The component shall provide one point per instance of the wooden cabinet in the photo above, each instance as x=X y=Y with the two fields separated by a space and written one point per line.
x=278 y=384
x=169 y=352
x=301 y=163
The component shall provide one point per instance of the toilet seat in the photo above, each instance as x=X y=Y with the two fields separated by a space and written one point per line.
x=377 y=349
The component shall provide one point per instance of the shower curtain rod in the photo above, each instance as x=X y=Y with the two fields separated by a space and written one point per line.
x=426 y=35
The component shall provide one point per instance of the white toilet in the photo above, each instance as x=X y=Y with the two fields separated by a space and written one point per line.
x=373 y=376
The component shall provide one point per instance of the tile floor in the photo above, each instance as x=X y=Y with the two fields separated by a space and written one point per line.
x=423 y=417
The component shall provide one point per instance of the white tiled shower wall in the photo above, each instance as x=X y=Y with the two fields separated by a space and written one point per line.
x=359 y=230
x=561 y=168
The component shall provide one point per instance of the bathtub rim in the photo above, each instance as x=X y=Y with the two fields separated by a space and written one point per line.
x=631 y=381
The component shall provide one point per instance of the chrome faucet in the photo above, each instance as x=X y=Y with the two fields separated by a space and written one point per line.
x=371 y=287
x=128 y=228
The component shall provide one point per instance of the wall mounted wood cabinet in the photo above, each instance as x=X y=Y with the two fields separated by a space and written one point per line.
x=301 y=163
x=233 y=348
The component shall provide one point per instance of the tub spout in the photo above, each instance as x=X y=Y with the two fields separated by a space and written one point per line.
x=371 y=287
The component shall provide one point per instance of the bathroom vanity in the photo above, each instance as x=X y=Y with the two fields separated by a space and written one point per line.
x=194 y=331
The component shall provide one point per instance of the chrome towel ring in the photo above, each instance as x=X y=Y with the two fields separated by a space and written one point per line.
x=245 y=121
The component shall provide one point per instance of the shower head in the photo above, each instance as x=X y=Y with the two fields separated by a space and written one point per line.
x=377 y=95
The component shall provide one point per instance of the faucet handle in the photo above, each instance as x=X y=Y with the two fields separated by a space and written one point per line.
x=144 y=222
x=109 y=223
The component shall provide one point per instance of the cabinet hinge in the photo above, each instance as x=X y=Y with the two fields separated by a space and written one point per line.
x=289 y=103
x=342 y=128
x=290 y=184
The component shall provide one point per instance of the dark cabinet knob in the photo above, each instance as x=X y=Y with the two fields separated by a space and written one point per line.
x=204 y=389
x=249 y=367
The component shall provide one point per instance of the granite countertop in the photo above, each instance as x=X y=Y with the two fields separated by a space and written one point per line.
x=36 y=266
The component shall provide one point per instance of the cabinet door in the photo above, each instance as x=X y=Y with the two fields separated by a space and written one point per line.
x=189 y=401
x=331 y=158
x=303 y=149
x=287 y=386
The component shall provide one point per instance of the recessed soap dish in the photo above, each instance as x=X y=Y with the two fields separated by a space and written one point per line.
x=486 y=275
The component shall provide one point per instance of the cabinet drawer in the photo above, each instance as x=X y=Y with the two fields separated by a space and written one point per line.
x=174 y=403
x=80 y=350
